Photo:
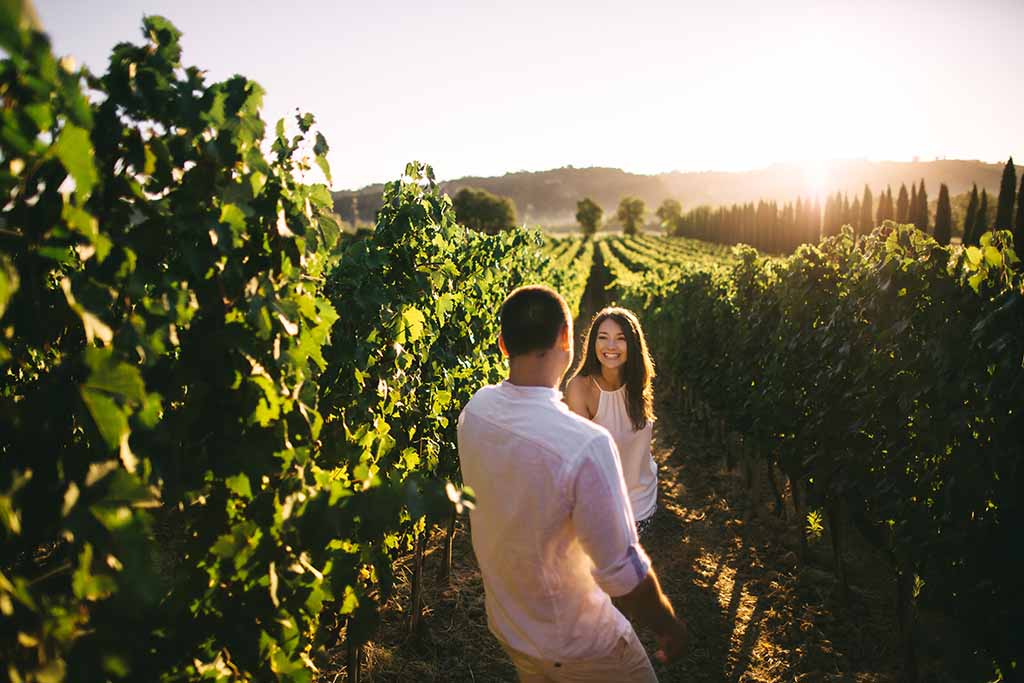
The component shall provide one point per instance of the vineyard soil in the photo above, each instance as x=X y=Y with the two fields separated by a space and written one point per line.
x=754 y=615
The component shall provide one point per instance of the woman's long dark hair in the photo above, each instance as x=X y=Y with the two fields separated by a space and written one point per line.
x=638 y=374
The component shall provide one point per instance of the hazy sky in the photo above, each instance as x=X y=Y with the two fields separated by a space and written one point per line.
x=482 y=88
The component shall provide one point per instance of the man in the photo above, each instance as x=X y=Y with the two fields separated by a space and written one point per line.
x=553 y=530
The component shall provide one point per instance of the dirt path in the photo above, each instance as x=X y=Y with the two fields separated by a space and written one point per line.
x=752 y=616
x=729 y=569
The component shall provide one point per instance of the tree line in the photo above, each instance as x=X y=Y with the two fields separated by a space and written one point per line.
x=781 y=228
x=776 y=228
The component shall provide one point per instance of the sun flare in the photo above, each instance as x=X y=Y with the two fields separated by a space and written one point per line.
x=816 y=177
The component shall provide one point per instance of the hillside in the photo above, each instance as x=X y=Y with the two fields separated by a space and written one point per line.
x=549 y=197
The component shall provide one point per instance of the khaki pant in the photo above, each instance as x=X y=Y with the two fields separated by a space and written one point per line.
x=626 y=663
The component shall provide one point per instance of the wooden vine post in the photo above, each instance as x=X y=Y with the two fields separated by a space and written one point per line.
x=834 y=512
x=353 y=658
x=416 y=597
x=449 y=544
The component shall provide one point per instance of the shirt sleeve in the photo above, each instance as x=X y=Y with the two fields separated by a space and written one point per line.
x=603 y=519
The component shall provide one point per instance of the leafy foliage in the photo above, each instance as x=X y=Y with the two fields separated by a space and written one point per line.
x=670 y=214
x=631 y=214
x=481 y=210
x=219 y=424
x=885 y=373
x=588 y=215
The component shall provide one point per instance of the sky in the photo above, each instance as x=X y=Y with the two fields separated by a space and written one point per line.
x=484 y=88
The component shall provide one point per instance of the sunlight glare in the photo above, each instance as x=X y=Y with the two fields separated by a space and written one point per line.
x=816 y=175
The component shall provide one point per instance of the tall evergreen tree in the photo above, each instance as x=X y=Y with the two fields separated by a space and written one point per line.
x=885 y=208
x=972 y=212
x=866 y=212
x=912 y=209
x=902 y=204
x=981 y=225
x=826 y=218
x=943 y=217
x=1007 y=188
x=854 y=216
x=1018 y=227
x=921 y=217
x=815 y=224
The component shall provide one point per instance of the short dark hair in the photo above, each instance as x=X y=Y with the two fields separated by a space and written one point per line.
x=531 y=319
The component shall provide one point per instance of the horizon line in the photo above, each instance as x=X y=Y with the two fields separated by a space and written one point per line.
x=796 y=163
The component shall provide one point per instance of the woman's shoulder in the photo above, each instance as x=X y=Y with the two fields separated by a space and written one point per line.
x=581 y=385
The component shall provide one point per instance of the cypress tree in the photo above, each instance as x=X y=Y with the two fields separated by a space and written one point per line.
x=943 y=217
x=798 y=218
x=826 y=218
x=855 y=216
x=866 y=209
x=913 y=209
x=972 y=212
x=981 y=219
x=1004 y=214
x=902 y=205
x=921 y=219
x=838 y=213
x=816 y=222
x=1018 y=228
x=885 y=210
x=890 y=207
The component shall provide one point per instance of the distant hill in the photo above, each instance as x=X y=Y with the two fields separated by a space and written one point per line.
x=548 y=198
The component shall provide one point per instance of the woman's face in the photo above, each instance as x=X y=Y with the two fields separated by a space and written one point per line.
x=610 y=346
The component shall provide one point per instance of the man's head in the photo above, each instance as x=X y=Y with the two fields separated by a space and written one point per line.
x=536 y=327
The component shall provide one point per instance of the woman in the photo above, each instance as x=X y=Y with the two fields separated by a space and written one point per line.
x=612 y=387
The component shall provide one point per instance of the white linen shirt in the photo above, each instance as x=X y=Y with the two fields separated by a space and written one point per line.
x=553 y=530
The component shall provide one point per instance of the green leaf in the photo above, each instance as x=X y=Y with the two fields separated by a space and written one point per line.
x=226 y=546
x=74 y=149
x=268 y=406
x=975 y=281
x=324 y=167
x=445 y=304
x=349 y=602
x=239 y=484
x=94 y=327
x=109 y=418
x=81 y=221
x=993 y=257
x=233 y=216
x=41 y=115
x=113 y=377
x=442 y=399
x=257 y=181
x=89 y=586
x=412 y=324
x=410 y=458
x=321 y=147
x=8 y=282
x=165 y=36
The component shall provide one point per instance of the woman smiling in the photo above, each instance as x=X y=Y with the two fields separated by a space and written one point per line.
x=613 y=388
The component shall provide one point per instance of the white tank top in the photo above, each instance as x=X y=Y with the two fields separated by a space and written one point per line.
x=638 y=466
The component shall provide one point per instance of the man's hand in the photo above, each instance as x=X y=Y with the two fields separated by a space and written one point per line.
x=672 y=642
x=649 y=606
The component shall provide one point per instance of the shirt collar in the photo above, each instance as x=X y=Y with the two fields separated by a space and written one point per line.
x=531 y=393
